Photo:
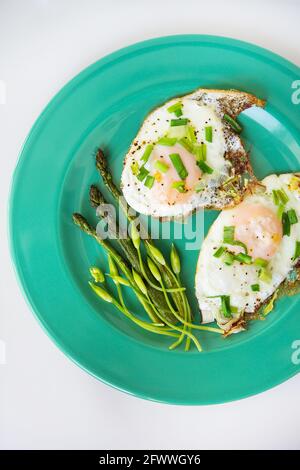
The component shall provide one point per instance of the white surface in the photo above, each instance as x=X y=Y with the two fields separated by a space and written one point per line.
x=45 y=400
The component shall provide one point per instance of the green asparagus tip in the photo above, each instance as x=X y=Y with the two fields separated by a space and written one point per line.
x=82 y=223
x=96 y=197
x=101 y=163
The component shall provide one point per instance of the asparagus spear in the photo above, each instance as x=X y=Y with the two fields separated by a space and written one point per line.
x=169 y=279
x=82 y=223
x=96 y=199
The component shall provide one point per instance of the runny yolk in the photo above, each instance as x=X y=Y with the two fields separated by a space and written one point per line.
x=259 y=228
x=162 y=190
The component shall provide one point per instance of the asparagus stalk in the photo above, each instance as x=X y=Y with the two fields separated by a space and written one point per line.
x=101 y=164
x=96 y=199
x=84 y=225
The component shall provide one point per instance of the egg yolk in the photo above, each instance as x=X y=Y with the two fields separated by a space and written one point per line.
x=259 y=228
x=162 y=190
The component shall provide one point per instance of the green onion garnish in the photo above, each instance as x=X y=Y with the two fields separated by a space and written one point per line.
x=279 y=196
x=179 y=122
x=297 y=251
x=292 y=216
x=161 y=166
x=228 y=234
x=208 y=133
x=286 y=225
x=179 y=186
x=225 y=306
x=178 y=112
x=265 y=275
x=200 y=152
x=218 y=253
x=135 y=168
x=275 y=197
x=142 y=174
x=238 y=243
x=283 y=196
x=147 y=153
x=243 y=258
x=228 y=237
x=228 y=258
x=255 y=287
x=190 y=132
x=175 y=107
x=170 y=141
x=149 y=182
x=186 y=144
x=204 y=167
x=178 y=165
x=233 y=123
x=280 y=211
x=262 y=263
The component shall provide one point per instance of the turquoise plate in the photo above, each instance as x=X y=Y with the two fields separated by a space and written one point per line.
x=105 y=105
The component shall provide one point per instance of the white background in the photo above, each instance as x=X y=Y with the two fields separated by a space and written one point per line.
x=45 y=400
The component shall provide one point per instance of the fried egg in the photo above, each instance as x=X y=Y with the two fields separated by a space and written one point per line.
x=188 y=155
x=249 y=252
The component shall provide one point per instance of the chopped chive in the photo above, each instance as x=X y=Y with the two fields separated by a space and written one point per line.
x=279 y=196
x=243 y=258
x=147 y=153
x=186 y=144
x=170 y=141
x=142 y=173
x=233 y=123
x=238 y=243
x=200 y=152
x=174 y=107
x=149 y=182
x=179 y=186
x=286 y=225
x=161 y=166
x=297 y=251
x=228 y=258
x=255 y=287
x=228 y=234
x=265 y=275
x=228 y=237
x=135 y=168
x=262 y=263
x=177 y=132
x=218 y=253
x=292 y=216
x=208 y=134
x=178 y=165
x=280 y=211
x=283 y=197
x=204 y=167
x=178 y=112
x=179 y=122
x=191 y=134
x=225 y=306
x=275 y=197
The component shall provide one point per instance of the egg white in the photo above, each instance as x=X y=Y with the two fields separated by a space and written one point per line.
x=214 y=278
x=156 y=126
